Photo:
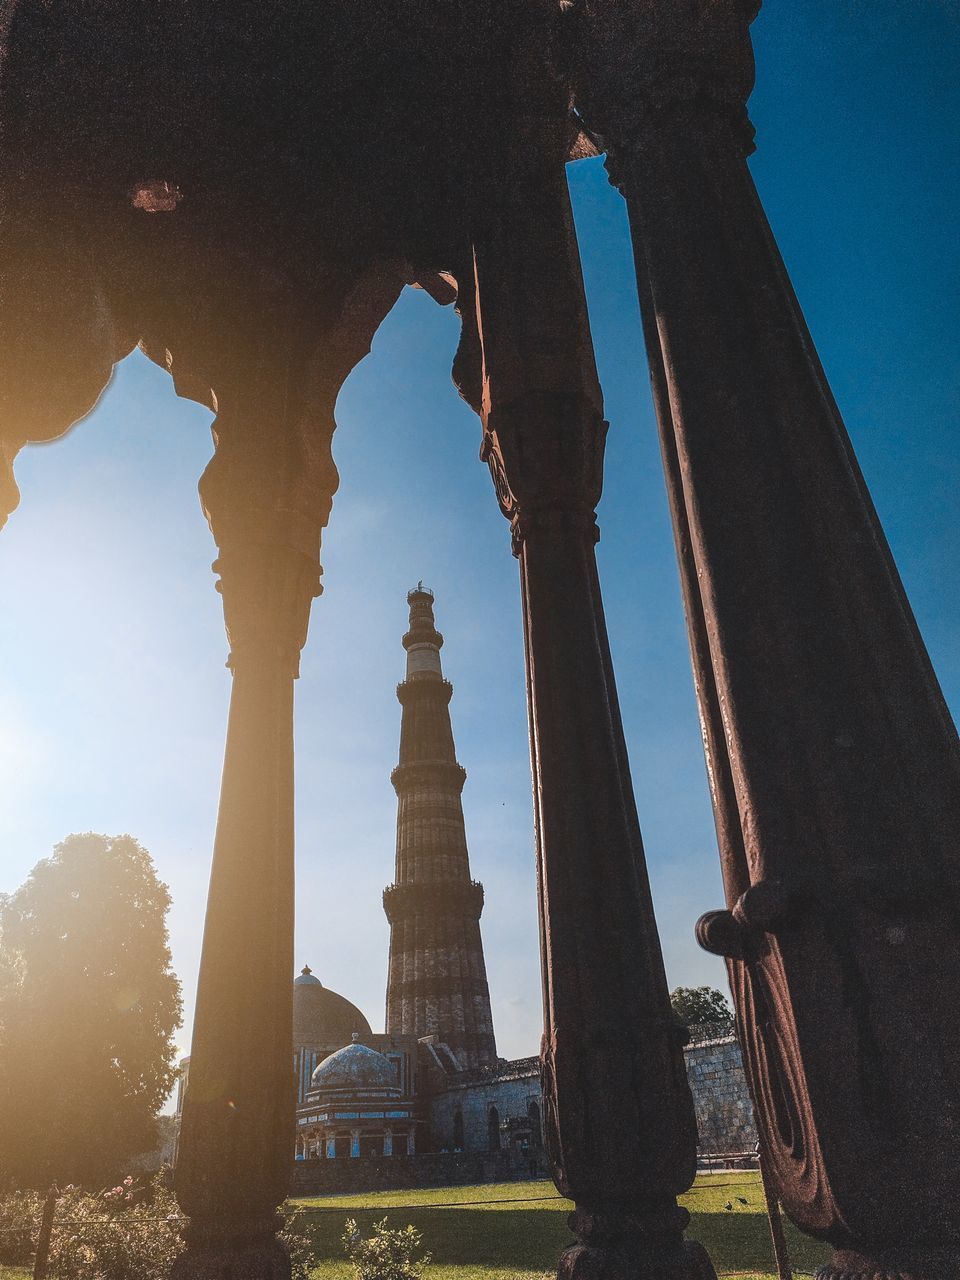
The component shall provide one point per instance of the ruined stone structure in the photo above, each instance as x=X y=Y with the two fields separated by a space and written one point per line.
x=726 y=1129
x=243 y=190
x=437 y=983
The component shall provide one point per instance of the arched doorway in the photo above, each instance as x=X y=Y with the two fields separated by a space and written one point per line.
x=536 y=1132
x=493 y=1129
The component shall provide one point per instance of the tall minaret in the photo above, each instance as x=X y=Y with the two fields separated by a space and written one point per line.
x=437 y=984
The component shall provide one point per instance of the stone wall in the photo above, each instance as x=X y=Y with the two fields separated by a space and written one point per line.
x=717 y=1081
x=511 y=1091
x=390 y=1173
x=720 y=1097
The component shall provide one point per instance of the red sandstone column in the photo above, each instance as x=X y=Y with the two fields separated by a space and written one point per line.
x=267 y=495
x=266 y=506
x=619 y=1120
x=834 y=764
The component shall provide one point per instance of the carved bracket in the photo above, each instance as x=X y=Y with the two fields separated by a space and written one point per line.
x=641 y=62
x=267 y=591
x=545 y=455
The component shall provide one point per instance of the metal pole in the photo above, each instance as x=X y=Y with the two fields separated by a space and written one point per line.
x=43 y=1237
x=775 y=1218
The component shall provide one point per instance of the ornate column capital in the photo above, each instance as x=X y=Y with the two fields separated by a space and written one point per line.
x=267 y=591
x=641 y=68
x=267 y=495
x=545 y=454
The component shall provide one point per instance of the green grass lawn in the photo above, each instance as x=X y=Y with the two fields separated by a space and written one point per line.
x=478 y=1238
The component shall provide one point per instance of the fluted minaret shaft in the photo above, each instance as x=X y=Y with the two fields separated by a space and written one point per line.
x=437 y=982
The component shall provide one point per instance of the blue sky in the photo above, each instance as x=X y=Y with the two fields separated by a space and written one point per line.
x=113 y=697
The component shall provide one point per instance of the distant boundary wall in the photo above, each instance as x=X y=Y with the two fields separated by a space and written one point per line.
x=721 y=1100
x=727 y=1132
x=394 y=1173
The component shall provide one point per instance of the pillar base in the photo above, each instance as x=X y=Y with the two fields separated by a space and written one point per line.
x=892 y=1264
x=639 y=1261
x=237 y=1258
x=624 y=1246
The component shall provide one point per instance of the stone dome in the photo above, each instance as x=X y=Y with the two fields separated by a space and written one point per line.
x=321 y=1018
x=356 y=1069
x=307 y=978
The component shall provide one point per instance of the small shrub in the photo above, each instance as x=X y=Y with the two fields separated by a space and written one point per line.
x=298 y=1241
x=387 y=1255
x=129 y=1232
x=124 y=1233
x=19 y=1223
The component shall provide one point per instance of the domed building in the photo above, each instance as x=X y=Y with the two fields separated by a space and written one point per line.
x=429 y=1101
x=323 y=1022
x=356 y=1106
x=432 y=1087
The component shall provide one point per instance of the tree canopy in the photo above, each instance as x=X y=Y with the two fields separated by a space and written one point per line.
x=88 y=1008
x=693 y=1005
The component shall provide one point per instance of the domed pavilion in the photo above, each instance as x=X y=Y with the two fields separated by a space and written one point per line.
x=323 y=1022
x=357 y=1107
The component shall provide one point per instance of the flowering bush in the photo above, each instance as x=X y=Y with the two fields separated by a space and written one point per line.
x=19 y=1223
x=125 y=1232
x=128 y=1232
x=387 y=1255
x=299 y=1243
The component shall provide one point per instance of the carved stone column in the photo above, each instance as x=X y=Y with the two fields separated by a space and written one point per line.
x=834 y=764
x=619 y=1120
x=267 y=494
x=238 y=1119
x=276 y=365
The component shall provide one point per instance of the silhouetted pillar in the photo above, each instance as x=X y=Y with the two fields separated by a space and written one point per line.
x=833 y=762
x=618 y=1115
x=238 y=1117
x=276 y=363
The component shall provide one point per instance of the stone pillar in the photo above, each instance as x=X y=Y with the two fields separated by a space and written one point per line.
x=619 y=1117
x=833 y=762
x=276 y=364
x=266 y=511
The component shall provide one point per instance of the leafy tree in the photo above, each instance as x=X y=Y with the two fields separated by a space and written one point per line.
x=693 y=1005
x=88 y=1008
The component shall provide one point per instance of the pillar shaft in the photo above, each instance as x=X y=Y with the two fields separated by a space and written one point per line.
x=618 y=1115
x=832 y=759
x=267 y=496
x=238 y=1118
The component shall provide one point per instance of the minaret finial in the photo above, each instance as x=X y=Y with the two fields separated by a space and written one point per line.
x=423 y=641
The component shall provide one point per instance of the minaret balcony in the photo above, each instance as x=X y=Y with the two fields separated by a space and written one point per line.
x=409 y=690
x=421 y=773
x=439 y=897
